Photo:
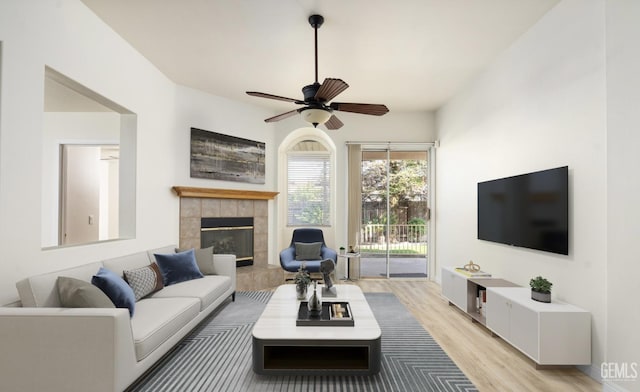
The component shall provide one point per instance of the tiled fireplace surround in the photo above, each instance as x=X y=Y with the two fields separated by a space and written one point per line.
x=196 y=203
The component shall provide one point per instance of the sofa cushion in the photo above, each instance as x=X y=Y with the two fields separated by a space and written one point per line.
x=118 y=291
x=76 y=293
x=204 y=259
x=178 y=267
x=161 y=251
x=207 y=289
x=42 y=290
x=158 y=319
x=144 y=280
x=127 y=262
x=308 y=251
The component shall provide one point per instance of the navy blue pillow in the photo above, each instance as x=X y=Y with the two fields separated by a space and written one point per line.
x=118 y=291
x=178 y=267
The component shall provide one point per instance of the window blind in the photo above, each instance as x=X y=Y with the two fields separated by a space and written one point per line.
x=308 y=189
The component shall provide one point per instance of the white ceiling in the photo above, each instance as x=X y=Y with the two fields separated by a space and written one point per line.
x=411 y=55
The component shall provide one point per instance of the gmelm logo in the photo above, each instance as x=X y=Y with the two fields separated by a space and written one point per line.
x=619 y=371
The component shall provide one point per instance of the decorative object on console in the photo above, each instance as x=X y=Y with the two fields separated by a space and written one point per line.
x=472 y=270
x=327 y=267
x=472 y=267
x=315 y=305
x=222 y=157
x=302 y=280
x=342 y=250
x=540 y=289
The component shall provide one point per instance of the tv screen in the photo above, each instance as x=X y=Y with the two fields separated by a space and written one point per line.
x=530 y=210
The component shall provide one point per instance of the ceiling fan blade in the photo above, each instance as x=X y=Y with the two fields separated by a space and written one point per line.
x=362 y=108
x=330 y=89
x=271 y=96
x=282 y=116
x=333 y=123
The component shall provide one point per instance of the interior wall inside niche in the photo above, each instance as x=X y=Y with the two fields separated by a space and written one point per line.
x=91 y=199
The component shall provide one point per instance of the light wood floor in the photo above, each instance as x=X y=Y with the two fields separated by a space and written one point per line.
x=489 y=362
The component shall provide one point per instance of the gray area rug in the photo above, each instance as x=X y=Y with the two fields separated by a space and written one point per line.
x=217 y=356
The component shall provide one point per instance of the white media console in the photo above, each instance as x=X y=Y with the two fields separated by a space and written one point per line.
x=554 y=333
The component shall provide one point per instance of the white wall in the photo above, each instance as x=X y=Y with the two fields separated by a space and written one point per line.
x=66 y=36
x=211 y=113
x=623 y=185
x=392 y=127
x=540 y=105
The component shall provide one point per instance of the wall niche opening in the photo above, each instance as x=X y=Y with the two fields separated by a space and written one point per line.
x=88 y=165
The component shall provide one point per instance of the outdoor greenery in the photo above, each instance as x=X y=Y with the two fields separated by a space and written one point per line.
x=407 y=181
x=307 y=207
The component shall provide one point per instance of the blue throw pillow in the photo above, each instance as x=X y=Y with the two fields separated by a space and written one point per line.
x=178 y=267
x=118 y=291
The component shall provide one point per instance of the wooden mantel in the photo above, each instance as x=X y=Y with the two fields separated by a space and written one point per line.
x=211 y=193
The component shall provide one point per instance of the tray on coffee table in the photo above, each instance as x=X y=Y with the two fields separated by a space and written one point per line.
x=336 y=314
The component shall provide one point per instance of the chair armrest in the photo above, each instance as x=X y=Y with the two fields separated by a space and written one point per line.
x=226 y=265
x=328 y=253
x=65 y=349
x=287 y=255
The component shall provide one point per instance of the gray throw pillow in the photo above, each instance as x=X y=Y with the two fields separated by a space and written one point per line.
x=76 y=293
x=204 y=259
x=144 y=280
x=308 y=251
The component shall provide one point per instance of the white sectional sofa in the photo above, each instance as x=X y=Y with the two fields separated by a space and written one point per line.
x=45 y=347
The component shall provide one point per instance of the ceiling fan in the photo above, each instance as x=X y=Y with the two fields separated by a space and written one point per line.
x=317 y=109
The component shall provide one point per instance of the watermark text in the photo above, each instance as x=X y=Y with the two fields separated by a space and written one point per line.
x=619 y=371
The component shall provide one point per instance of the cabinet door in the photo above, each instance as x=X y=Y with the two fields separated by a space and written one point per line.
x=524 y=330
x=447 y=284
x=454 y=288
x=497 y=314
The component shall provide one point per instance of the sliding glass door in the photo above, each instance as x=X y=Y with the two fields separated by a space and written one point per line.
x=395 y=212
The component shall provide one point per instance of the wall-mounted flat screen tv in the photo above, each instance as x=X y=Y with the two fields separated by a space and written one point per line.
x=530 y=210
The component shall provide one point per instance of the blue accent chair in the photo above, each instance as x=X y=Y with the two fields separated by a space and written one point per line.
x=288 y=256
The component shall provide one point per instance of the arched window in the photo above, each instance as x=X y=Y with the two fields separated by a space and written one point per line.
x=307 y=182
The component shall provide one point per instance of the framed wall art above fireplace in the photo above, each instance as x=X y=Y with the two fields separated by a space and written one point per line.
x=223 y=157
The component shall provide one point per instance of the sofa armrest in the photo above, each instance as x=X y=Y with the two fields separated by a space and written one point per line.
x=226 y=265
x=65 y=349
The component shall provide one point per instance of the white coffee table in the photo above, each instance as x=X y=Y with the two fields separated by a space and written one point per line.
x=282 y=348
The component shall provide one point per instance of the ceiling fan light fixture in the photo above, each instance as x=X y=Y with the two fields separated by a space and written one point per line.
x=315 y=116
x=318 y=108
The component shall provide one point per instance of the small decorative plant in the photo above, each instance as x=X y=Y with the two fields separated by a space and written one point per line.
x=540 y=289
x=342 y=250
x=302 y=280
x=540 y=285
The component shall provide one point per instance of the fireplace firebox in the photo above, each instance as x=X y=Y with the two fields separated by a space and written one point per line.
x=229 y=236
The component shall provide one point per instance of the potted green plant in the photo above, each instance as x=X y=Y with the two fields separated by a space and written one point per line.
x=342 y=250
x=302 y=280
x=540 y=289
